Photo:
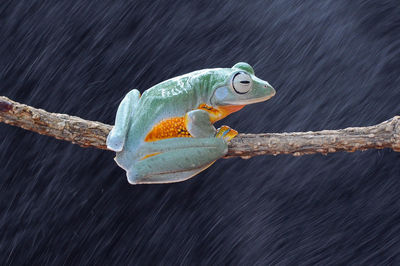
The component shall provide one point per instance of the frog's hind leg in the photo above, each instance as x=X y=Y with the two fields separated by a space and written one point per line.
x=175 y=160
x=116 y=137
x=163 y=178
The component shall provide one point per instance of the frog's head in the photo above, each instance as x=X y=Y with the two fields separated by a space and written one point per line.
x=241 y=87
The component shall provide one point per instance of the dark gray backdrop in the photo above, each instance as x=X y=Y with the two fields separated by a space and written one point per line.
x=334 y=64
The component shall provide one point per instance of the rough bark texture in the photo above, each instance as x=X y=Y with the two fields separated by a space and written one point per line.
x=383 y=135
x=85 y=133
x=93 y=134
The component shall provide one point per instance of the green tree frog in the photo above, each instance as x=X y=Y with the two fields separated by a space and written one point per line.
x=167 y=134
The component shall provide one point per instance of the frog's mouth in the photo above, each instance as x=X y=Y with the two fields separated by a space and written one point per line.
x=248 y=101
x=223 y=96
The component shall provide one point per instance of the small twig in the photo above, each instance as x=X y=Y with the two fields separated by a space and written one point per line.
x=93 y=134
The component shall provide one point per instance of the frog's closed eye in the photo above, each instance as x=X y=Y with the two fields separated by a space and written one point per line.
x=241 y=82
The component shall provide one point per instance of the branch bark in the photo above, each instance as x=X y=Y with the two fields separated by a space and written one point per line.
x=94 y=134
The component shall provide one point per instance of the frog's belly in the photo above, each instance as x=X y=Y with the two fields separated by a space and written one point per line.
x=168 y=128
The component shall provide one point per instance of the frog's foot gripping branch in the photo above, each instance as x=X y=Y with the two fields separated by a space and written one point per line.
x=116 y=138
x=226 y=133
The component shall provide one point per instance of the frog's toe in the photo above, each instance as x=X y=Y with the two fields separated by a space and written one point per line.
x=115 y=141
x=226 y=133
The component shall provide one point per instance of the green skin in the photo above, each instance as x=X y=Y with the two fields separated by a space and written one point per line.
x=180 y=158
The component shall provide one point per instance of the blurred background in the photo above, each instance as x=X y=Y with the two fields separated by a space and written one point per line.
x=334 y=64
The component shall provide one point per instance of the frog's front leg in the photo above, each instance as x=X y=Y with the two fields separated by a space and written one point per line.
x=126 y=109
x=199 y=126
x=177 y=159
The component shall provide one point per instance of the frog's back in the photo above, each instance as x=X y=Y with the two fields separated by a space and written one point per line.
x=161 y=106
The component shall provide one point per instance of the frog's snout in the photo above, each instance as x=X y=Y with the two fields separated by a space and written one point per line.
x=270 y=89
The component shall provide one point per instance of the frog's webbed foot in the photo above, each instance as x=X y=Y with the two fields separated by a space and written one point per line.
x=126 y=109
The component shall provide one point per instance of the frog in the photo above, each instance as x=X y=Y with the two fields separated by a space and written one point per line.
x=168 y=135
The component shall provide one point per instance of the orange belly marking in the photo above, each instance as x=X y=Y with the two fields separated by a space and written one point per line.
x=168 y=128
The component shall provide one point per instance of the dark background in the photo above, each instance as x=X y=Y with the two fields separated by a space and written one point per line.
x=333 y=63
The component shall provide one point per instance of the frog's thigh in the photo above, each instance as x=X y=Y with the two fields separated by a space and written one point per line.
x=126 y=109
x=181 y=163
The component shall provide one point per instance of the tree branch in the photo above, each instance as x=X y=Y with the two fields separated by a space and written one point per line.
x=85 y=133
x=94 y=134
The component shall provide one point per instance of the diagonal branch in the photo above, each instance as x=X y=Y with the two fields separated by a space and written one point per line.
x=93 y=134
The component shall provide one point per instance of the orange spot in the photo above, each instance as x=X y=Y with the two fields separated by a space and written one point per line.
x=150 y=155
x=168 y=128
x=217 y=113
